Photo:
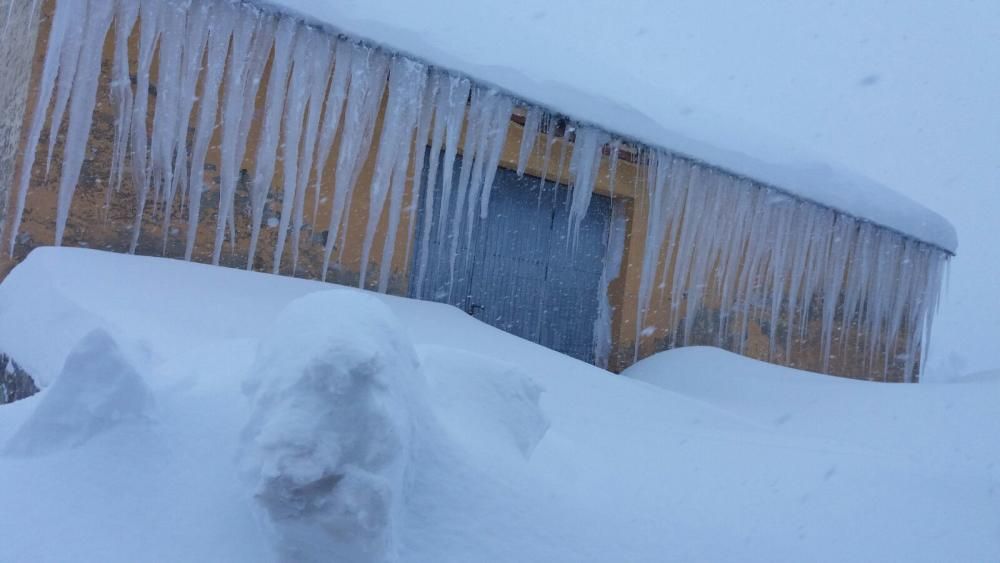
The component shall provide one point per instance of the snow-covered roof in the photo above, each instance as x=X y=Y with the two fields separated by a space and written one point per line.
x=553 y=56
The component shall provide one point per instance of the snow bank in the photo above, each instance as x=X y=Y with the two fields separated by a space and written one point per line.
x=97 y=390
x=328 y=443
x=29 y=307
x=574 y=74
x=626 y=471
x=919 y=421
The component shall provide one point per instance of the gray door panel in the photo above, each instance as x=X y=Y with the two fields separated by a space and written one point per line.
x=520 y=273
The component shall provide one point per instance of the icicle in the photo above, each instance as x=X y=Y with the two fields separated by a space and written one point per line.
x=711 y=243
x=612 y=267
x=587 y=153
x=475 y=142
x=263 y=45
x=398 y=186
x=366 y=143
x=252 y=40
x=407 y=79
x=166 y=111
x=148 y=35
x=532 y=124
x=295 y=108
x=191 y=69
x=683 y=237
x=459 y=92
x=613 y=167
x=443 y=111
x=68 y=67
x=121 y=93
x=658 y=167
x=81 y=111
x=428 y=104
x=65 y=10
x=799 y=257
x=479 y=159
x=220 y=33
x=843 y=239
x=270 y=132
x=368 y=72
x=322 y=57
x=858 y=271
x=497 y=138
x=331 y=116
x=562 y=162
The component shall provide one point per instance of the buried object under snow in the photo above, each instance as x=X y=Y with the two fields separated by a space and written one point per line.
x=97 y=389
x=334 y=389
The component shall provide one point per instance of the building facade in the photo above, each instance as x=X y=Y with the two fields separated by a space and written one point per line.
x=213 y=131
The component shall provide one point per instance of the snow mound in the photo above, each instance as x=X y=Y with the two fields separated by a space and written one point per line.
x=32 y=305
x=97 y=390
x=914 y=420
x=484 y=402
x=329 y=436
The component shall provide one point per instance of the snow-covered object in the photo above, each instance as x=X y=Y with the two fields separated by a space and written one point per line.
x=559 y=76
x=328 y=442
x=491 y=405
x=719 y=228
x=97 y=390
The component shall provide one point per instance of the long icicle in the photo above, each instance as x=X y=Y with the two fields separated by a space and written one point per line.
x=218 y=48
x=331 y=116
x=322 y=51
x=406 y=82
x=149 y=33
x=368 y=71
x=251 y=43
x=81 y=112
x=121 y=94
x=270 y=132
x=427 y=109
x=64 y=11
x=195 y=46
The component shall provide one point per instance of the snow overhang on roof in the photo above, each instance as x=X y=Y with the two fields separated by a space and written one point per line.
x=555 y=74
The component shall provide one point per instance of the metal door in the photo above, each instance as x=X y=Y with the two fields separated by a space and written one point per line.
x=518 y=271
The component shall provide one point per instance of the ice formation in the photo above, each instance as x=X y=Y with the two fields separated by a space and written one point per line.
x=612 y=268
x=718 y=249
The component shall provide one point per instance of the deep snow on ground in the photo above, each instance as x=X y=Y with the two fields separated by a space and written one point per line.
x=516 y=453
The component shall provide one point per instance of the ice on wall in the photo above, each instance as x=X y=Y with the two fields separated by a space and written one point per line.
x=718 y=251
x=97 y=390
x=335 y=389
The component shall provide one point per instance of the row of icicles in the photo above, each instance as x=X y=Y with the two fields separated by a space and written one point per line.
x=757 y=254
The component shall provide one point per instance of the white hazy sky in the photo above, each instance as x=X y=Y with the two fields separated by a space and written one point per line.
x=905 y=92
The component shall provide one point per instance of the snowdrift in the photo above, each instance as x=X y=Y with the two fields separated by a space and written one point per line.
x=515 y=453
